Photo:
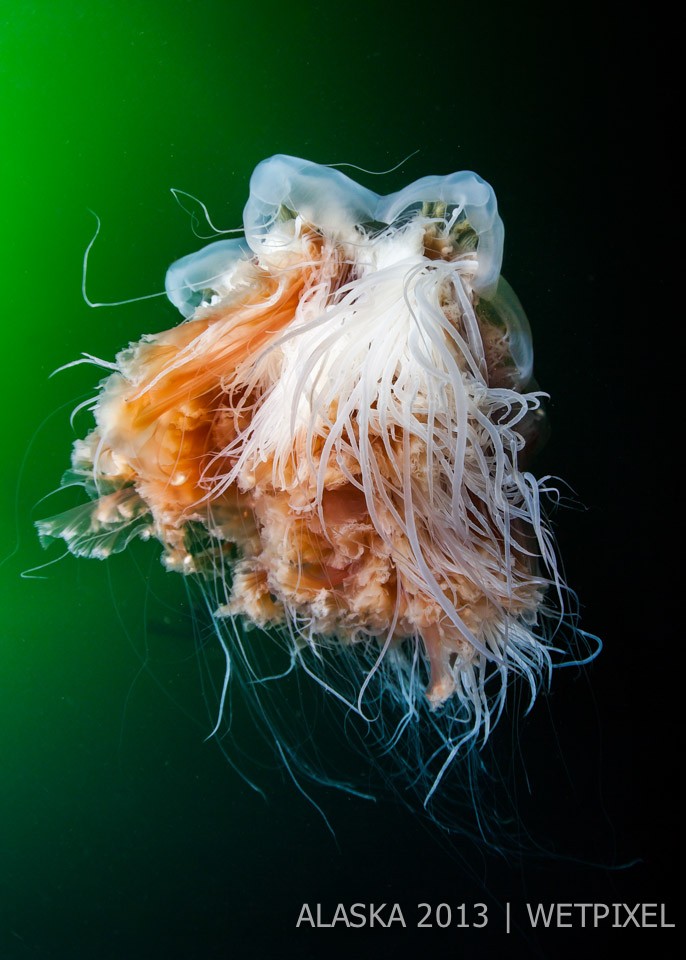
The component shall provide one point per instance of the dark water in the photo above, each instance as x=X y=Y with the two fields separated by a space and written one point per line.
x=123 y=834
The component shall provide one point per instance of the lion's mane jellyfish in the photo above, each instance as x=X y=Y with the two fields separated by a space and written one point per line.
x=335 y=440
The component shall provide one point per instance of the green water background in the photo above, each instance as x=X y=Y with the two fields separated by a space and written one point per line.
x=122 y=832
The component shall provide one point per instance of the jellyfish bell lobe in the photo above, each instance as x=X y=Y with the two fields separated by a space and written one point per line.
x=463 y=195
x=283 y=187
x=195 y=278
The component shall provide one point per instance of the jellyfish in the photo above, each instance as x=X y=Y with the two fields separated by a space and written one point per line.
x=335 y=441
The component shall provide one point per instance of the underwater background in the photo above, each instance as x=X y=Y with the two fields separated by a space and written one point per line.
x=123 y=832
